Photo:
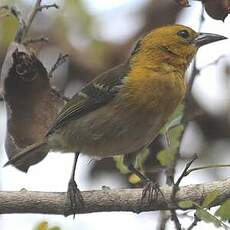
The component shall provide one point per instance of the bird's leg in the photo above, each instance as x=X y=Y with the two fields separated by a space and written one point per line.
x=73 y=193
x=151 y=189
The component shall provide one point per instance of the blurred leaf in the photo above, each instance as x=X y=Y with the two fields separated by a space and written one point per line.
x=134 y=179
x=175 y=134
x=140 y=159
x=79 y=14
x=54 y=228
x=207 y=217
x=8 y=28
x=166 y=156
x=186 y=204
x=224 y=211
x=172 y=130
x=209 y=199
x=9 y=25
x=42 y=226
x=174 y=119
x=119 y=161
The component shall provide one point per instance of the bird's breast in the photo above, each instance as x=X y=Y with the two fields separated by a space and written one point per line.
x=154 y=92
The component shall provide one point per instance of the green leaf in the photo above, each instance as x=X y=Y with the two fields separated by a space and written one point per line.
x=209 y=199
x=207 y=217
x=174 y=120
x=134 y=179
x=224 y=211
x=141 y=158
x=186 y=204
x=54 y=228
x=166 y=156
x=175 y=134
x=42 y=226
x=119 y=161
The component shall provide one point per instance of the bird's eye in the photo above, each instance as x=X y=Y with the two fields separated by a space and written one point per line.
x=183 y=33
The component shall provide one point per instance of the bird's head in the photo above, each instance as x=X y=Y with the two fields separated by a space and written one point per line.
x=176 y=44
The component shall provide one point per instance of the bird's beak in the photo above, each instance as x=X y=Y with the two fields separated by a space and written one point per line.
x=206 y=38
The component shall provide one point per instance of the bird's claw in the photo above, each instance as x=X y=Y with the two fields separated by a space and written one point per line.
x=74 y=197
x=151 y=191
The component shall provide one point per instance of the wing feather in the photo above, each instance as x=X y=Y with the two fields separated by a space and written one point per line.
x=94 y=95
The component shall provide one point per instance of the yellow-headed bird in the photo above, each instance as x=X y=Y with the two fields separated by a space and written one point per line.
x=123 y=109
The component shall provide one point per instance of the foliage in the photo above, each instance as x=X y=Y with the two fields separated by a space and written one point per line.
x=172 y=131
x=45 y=226
x=202 y=212
x=139 y=162
x=224 y=211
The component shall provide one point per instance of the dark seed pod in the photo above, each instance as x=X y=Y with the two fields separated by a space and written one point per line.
x=217 y=9
x=31 y=103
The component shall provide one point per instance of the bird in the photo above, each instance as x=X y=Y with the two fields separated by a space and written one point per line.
x=123 y=109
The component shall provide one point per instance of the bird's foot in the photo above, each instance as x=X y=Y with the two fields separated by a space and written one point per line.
x=151 y=192
x=74 y=197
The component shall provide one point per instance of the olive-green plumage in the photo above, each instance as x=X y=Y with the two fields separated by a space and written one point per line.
x=123 y=109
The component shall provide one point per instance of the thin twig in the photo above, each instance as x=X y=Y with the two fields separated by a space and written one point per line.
x=175 y=188
x=22 y=25
x=167 y=139
x=32 y=16
x=193 y=75
x=60 y=60
x=175 y=219
x=185 y=215
x=196 y=71
x=36 y=40
x=54 y=5
x=37 y=8
x=202 y=19
x=206 y=167
x=183 y=174
x=194 y=223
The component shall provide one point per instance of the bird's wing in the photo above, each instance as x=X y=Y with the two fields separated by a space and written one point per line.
x=94 y=95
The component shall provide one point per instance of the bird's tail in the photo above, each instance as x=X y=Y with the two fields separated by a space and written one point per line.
x=29 y=156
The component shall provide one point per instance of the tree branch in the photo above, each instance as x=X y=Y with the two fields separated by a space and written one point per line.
x=37 y=7
x=108 y=200
x=26 y=24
